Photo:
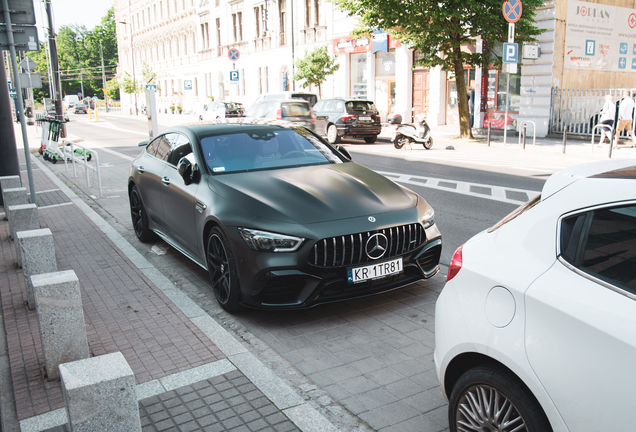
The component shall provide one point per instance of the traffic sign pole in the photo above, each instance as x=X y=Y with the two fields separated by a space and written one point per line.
x=512 y=12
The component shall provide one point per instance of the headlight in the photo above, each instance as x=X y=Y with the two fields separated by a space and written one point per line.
x=263 y=241
x=429 y=218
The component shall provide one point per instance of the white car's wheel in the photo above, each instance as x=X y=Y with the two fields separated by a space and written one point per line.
x=332 y=135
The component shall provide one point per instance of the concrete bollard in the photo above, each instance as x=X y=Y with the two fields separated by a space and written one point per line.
x=99 y=394
x=38 y=256
x=58 y=304
x=14 y=196
x=10 y=182
x=22 y=217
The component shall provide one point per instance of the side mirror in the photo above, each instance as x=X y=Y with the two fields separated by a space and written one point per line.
x=344 y=152
x=188 y=170
x=143 y=143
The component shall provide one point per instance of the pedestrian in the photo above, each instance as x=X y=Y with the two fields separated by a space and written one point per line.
x=608 y=113
x=625 y=113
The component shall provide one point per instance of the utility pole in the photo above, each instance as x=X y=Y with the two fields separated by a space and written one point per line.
x=101 y=54
x=55 y=72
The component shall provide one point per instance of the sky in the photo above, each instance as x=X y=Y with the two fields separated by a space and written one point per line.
x=66 y=12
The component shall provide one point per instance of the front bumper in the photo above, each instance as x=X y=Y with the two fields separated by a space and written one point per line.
x=289 y=281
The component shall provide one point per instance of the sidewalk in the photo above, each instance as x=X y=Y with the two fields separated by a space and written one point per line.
x=191 y=373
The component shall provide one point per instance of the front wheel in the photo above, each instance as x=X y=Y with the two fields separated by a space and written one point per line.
x=400 y=141
x=491 y=398
x=332 y=135
x=428 y=144
x=222 y=270
x=370 y=140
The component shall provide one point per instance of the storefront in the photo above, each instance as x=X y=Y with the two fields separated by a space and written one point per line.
x=495 y=85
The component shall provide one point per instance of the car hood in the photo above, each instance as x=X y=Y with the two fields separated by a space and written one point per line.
x=313 y=194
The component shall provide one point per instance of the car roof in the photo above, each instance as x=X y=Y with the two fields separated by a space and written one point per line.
x=622 y=168
x=228 y=126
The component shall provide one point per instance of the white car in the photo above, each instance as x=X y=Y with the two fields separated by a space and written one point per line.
x=536 y=325
x=219 y=110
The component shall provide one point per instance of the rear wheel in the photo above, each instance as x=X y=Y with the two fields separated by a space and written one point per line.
x=371 y=140
x=222 y=270
x=139 y=216
x=428 y=144
x=332 y=135
x=491 y=398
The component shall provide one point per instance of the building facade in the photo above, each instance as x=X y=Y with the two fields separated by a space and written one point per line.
x=238 y=49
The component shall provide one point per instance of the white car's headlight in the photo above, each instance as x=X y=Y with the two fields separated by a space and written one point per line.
x=263 y=241
x=428 y=219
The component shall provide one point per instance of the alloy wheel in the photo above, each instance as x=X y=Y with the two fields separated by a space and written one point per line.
x=483 y=408
x=219 y=268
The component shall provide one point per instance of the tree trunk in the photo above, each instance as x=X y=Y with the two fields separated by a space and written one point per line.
x=465 y=129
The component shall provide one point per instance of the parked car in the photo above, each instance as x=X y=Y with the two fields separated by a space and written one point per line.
x=81 y=107
x=296 y=111
x=219 y=110
x=534 y=329
x=278 y=217
x=356 y=118
x=312 y=98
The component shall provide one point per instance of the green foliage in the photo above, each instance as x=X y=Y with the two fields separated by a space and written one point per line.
x=128 y=86
x=113 y=89
x=439 y=28
x=315 y=67
x=79 y=58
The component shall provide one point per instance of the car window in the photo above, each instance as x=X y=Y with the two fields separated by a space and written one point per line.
x=320 y=106
x=165 y=144
x=180 y=147
x=603 y=243
x=266 y=148
x=360 y=106
x=151 y=148
x=295 y=110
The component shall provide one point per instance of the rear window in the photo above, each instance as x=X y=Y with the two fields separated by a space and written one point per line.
x=295 y=110
x=360 y=106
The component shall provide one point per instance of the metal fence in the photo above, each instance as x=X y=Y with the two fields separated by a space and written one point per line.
x=578 y=110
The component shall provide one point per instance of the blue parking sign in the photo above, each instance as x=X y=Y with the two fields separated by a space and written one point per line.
x=234 y=75
x=511 y=53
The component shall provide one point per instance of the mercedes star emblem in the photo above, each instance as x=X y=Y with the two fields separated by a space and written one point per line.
x=376 y=246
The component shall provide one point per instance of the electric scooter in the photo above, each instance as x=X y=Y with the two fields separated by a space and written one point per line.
x=419 y=133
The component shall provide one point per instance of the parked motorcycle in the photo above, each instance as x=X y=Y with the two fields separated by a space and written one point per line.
x=418 y=133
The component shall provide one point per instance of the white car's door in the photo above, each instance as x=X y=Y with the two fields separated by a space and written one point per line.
x=581 y=321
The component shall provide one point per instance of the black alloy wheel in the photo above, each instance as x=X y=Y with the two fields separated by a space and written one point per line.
x=139 y=216
x=490 y=398
x=222 y=270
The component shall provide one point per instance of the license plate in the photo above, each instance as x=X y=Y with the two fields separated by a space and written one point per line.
x=374 y=271
x=364 y=118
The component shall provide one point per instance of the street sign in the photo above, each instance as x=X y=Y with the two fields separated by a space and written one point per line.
x=511 y=32
x=511 y=52
x=12 y=92
x=21 y=12
x=187 y=85
x=30 y=80
x=233 y=54
x=148 y=87
x=512 y=10
x=27 y=64
x=234 y=75
x=95 y=98
x=24 y=37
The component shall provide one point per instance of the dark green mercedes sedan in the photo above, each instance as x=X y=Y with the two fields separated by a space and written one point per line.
x=279 y=218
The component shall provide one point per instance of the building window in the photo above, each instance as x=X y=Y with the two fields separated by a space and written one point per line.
x=237 y=22
x=161 y=11
x=283 y=21
x=218 y=36
x=257 y=20
x=359 y=75
x=260 y=81
x=266 y=79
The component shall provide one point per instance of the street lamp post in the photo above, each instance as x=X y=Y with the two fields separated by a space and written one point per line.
x=132 y=57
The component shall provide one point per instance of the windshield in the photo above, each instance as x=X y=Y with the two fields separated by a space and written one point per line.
x=361 y=106
x=267 y=148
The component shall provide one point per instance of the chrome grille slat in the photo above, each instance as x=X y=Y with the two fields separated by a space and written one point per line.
x=348 y=250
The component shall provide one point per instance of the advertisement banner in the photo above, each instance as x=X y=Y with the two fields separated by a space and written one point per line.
x=600 y=37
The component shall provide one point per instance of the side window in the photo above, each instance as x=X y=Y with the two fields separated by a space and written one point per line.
x=607 y=246
x=152 y=147
x=180 y=148
x=164 y=146
x=319 y=106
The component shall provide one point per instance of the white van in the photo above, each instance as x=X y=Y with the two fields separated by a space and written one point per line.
x=70 y=100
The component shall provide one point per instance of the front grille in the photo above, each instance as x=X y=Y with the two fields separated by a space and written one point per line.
x=349 y=249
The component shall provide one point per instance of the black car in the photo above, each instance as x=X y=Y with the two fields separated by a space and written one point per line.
x=354 y=118
x=279 y=217
x=296 y=111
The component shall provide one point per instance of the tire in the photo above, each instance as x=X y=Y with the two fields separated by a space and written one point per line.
x=491 y=397
x=332 y=135
x=139 y=216
x=400 y=141
x=428 y=144
x=370 y=140
x=222 y=269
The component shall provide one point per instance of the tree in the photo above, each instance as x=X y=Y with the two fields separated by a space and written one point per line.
x=439 y=29
x=315 y=67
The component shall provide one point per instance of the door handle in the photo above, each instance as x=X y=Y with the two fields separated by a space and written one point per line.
x=200 y=207
x=141 y=169
x=165 y=181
